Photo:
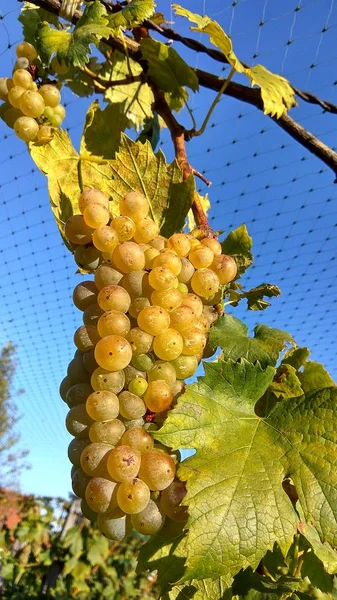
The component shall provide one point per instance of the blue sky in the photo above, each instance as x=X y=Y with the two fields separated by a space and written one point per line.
x=259 y=175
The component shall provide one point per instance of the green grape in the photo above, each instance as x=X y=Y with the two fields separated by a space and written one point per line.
x=138 y=438
x=107 y=275
x=150 y=520
x=137 y=304
x=150 y=254
x=186 y=272
x=102 y=380
x=158 y=243
x=158 y=396
x=194 y=341
x=101 y=495
x=201 y=257
x=108 y=432
x=75 y=450
x=31 y=104
x=26 y=50
x=131 y=406
x=168 y=345
x=78 y=421
x=77 y=394
x=87 y=512
x=79 y=482
x=125 y=228
x=45 y=134
x=3 y=88
x=137 y=284
x=213 y=244
x=138 y=386
x=143 y=362
x=225 y=268
x=84 y=294
x=134 y=205
x=76 y=371
x=180 y=243
x=183 y=288
x=113 y=322
x=140 y=341
x=161 y=278
x=102 y=405
x=157 y=470
x=170 y=260
x=89 y=361
x=86 y=337
x=56 y=120
x=128 y=257
x=205 y=282
x=167 y=299
x=48 y=113
x=182 y=318
x=92 y=314
x=194 y=303
x=59 y=67
x=146 y=230
x=92 y=196
x=94 y=459
x=11 y=115
x=185 y=366
x=113 y=353
x=60 y=111
x=50 y=95
x=133 y=496
x=88 y=258
x=22 y=78
x=26 y=129
x=104 y=238
x=77 y=231
x=97 y=216
x=114 y=297
x=130 y=373
x=65 y=385
x=123 y=463
x=162 y=371
x=114 y=529
x=153 y=319
x=170 y=501
x=208 y=351
x=21 y=63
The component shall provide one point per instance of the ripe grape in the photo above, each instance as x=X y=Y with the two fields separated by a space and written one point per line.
x=22 y=78
x=78 y=421
x=84 y=294
x=87 y=512
x=14 y=96
x=137 y=284
x=158 y=396
x=193 y=302
x=100 y=495
x=137 y=305
x=26 y=129
x=125 y=228
x=65 y=385
x=138 y=438
x=133 y=496
x=92 y=196
x=50 y=94
x=77 y=231
x=113 y=322
x=146 y=230
x=167 y=299
x=89 y=361
x=26 y=50
x=113 y=529
x=180 y=243
x=150 y=254
x=113 y=353
x=157 y=470
x=185 y=366
x=186 y=272
x=134 y=205
x=107 y=275
x=150 y=520
x=205 y=282
x=92 y=314
x=161 y=278
x=131 y=406
x=194 y=341
x=164 y=371
x=114 y=297
x=102 y=405
x=201 y=257
x=94 y=459
x=104 y=238
x=101 y=380
x=170 y=501
x=143 y=362
x=225 y=268
x=132 y=423
x=3 y=88
x=87 y=257
x=108 y=432
x=128 y=257
x=140 y=341
x=182 y=318
x=76 y=371
x=75 y=450
x=153 y=319
x=213 y=244
x=130 y=373
x=170 y=260
x=78 y=393
x=86 y=337
x=158 y=243
x=96 y=215
x=31 y=104
x=21 y=63
x=79 y=482
x=11 y=115
x=168 y=345
x=60 y=111
x=123 y=463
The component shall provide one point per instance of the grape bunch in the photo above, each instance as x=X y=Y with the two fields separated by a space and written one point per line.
x=146 y=318
x=33 y=110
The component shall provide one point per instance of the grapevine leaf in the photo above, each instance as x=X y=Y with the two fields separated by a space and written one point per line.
x=314 y=377
x=168 y=70
x=253 y=586
x=150 y=131
x=277 y=94
x=296 y=357
x=137 y=168
x=133 y=14
x=255 y=296
x=324 y=552
x=73 y=48
x=235 y=499
x=313 y=568
x=205 y=589
x=102 y=131
x=231 y=335
x=99 y=548
x=286 y=383
x=206 y=205
x=31 y=17
x=74 y=541
x=238 y=244
x=77 y=81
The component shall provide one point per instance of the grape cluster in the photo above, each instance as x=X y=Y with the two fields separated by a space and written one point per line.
x=146 y=317
x=32 y=110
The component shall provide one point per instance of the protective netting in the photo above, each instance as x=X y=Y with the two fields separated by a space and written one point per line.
x=259 y=176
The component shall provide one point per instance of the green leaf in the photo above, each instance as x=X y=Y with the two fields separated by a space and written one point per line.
x=255 y=296
x=235 y=499
x=296 y=357
x=314 y=377
x=238 y=244
x=313 y=568
x=102 y=131
x=205 y=589
x=31 y=17
x=206 y=205
x=324 y=552
x=232 y=336
x=73 y=48
x=137 y=168
x=98 y=551
x=70 y=565
x=253 y=586
x=150 y=131
x=277 y=94
x=134 y=13
x=286 y=383
x=77 y=81
x=168 y=70
x=73 y=540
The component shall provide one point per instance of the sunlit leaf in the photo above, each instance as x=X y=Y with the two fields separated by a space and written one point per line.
x=238 y=244
x=134 y=13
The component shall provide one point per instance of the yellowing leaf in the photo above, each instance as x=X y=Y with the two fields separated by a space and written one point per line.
x=206 y=205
